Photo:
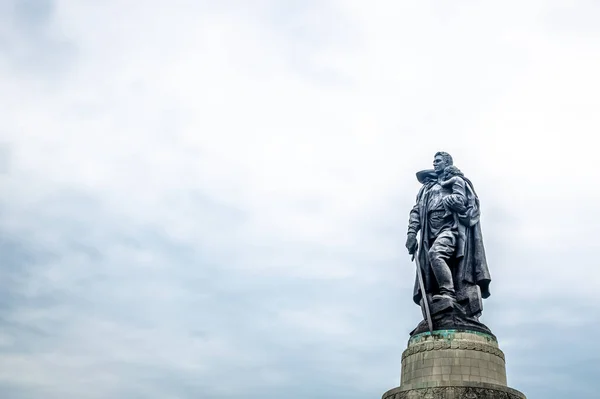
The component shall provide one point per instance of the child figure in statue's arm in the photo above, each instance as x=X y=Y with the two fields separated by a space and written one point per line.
x=454 y=181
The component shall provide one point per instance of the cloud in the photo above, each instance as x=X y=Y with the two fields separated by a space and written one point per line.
x=210 y=199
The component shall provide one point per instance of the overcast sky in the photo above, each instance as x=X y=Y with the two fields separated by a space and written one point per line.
x=209 y=199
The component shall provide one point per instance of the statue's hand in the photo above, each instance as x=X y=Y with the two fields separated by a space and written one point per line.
x=455 y=204
x=411 y=244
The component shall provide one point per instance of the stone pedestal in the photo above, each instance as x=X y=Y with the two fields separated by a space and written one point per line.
x=453 y=364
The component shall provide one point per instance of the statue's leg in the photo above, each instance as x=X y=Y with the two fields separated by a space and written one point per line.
x=440 y=253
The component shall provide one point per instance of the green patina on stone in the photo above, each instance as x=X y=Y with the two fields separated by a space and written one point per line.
x=448 y=335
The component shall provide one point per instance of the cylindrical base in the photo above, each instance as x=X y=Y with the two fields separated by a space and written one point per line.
x=452 y=355
x=453 y=364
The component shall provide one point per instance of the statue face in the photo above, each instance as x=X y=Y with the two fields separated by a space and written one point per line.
x=439 y=164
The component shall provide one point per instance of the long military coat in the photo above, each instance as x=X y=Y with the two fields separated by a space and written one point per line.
x=469 y=265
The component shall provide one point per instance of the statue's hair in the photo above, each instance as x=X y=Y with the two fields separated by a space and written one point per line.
x=445 y=156
x=452 y=171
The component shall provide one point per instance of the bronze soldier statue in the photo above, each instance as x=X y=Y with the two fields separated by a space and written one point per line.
x=450 y=248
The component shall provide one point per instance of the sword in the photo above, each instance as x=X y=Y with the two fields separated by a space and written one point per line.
x=423 y=293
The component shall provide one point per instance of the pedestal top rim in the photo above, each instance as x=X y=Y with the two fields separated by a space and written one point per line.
x=445 y=334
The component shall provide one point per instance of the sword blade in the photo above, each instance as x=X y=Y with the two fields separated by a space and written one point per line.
x=423 y=292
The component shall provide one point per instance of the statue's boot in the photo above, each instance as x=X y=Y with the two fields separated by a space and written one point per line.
x=443 y=275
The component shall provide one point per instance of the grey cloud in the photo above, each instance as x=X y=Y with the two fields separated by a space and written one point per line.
x=31 y=15
x=33 y=46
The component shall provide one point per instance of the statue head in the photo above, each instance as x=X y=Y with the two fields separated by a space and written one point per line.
x=441 y=161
